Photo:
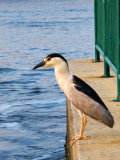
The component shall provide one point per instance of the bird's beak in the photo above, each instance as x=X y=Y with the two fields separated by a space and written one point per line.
x=39 y=65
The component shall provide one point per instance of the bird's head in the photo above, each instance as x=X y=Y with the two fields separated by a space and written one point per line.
x=52 y=60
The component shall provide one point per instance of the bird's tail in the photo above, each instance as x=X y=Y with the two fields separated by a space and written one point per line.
x=105 y=117
x=108 y=119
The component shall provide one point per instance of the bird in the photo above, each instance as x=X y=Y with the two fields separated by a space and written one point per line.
x=81 y=96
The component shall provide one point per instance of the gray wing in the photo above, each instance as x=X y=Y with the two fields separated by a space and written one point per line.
x=86 y=89
x=90 y=107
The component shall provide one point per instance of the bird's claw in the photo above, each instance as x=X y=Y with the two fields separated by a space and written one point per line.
x=78 y=138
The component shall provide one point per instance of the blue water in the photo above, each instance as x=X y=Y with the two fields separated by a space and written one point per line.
x=32 y=107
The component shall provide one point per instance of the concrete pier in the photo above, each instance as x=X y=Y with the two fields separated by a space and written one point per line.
x=104 y=143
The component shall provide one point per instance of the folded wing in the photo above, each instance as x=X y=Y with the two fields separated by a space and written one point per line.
x=84 y=98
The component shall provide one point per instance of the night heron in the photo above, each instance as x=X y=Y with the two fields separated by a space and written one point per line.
x=80 y=94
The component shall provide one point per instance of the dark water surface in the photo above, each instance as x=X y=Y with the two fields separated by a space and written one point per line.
x=32 y=107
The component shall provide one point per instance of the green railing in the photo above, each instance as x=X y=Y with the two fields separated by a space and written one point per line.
x=107 y=36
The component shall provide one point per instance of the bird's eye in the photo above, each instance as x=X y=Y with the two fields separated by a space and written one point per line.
x=49 y=58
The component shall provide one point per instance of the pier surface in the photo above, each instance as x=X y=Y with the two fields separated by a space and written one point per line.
x=104 y=142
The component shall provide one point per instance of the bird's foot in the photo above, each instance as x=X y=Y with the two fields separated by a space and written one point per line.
x=78 y=138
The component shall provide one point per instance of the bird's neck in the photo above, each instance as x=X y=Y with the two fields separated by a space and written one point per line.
x=63 y=77
x=61 y=69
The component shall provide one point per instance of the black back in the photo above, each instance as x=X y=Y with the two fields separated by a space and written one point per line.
x=57 y=55
x=86 y=89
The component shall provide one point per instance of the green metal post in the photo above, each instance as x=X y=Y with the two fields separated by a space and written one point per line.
x=106 y=69
x=118 y=89
x=118 y=50
x=106 y=66
x=97 y=54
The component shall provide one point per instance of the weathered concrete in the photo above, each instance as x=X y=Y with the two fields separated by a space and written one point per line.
x=105 y=142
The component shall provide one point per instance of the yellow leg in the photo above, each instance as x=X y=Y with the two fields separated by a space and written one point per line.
x=83 y=124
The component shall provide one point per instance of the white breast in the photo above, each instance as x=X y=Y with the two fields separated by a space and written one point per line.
x=64 y=81
x=63 y=77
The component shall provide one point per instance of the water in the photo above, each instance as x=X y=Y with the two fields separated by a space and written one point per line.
x=32 y=107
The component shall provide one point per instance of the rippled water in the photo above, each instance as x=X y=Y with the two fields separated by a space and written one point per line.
x=32 y=107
